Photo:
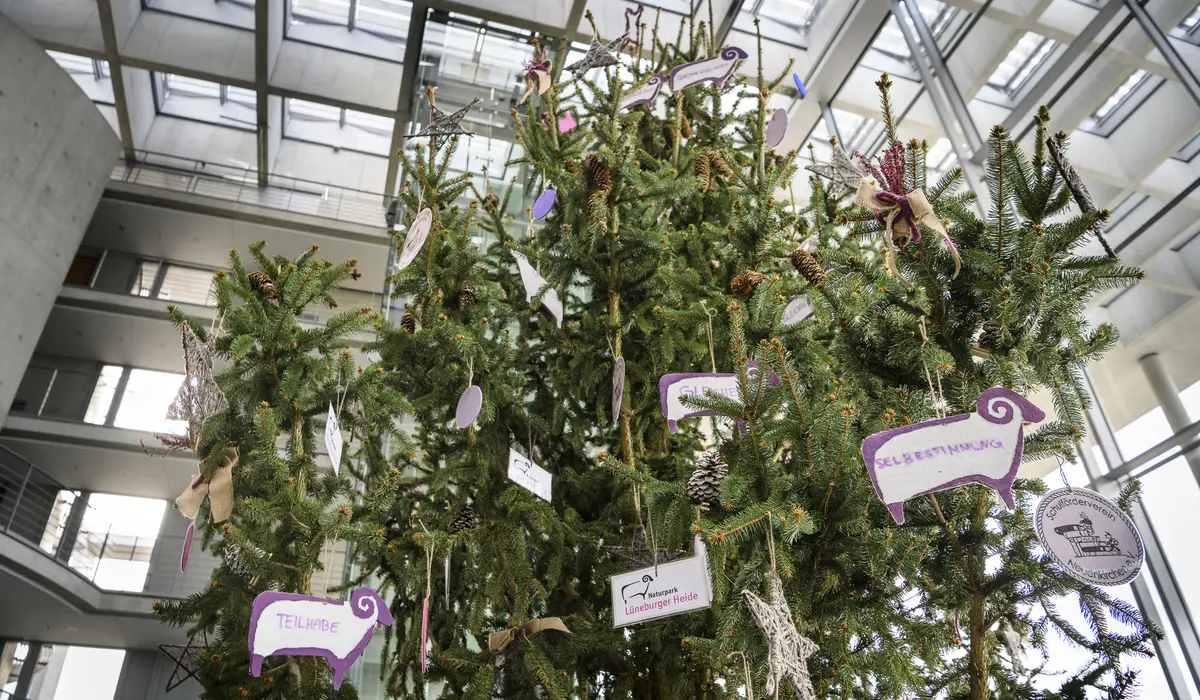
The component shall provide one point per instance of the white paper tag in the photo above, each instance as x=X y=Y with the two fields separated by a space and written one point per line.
x=1089 y=537
x=673 y=588
x=333 y=439
x=796 y=311
x=417 y=233
x=533 y=285
x=528 y=475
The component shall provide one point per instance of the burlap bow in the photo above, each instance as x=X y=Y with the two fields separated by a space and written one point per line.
x=218 y=489
x=901 y=214
x=499 y=641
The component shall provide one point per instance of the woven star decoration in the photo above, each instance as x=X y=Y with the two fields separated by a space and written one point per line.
x=639 y=554
x=199 y=395
x=842 y=173
x=187 y=659
x=788 y=651
x=598 y=55
x=443 y=125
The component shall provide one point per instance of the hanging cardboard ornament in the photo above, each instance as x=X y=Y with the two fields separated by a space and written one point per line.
x=534 y=283
x=1089 y=536
x=544 y=203
x=673 y=588
x=417 y=233
x=469 y=405
x=969 y=448
x=646 y=94
x=289 y=624
x=618 y=388
x=528 y=475
x=424 y=635
x=715 y=70
x=333 y=439
x=800 y=86
x=796 y=311
x=673 y=388
x=777 y=127
x=186 y=554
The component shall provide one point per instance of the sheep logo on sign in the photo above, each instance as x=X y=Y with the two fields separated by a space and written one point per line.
x=288 y=624
x=980 y=448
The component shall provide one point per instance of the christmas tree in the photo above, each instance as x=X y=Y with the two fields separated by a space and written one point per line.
x=275 y=514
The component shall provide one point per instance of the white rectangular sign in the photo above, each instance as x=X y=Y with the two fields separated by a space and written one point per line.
x=796 y=311
x=528 y=475
x=673 y=588
x=333 y=439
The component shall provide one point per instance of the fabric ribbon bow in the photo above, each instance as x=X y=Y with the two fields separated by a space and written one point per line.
x=901 y=214
x=218 y=489
x=499 y=641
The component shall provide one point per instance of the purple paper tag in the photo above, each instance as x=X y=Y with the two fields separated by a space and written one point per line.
x=469 y=405
x=289 y=624
x=544 y=203
x=672 y=388
x=969 y=448
x=566 y=122
x=777 y=127
x=644 y=95
x=187 y=546
x=716 y=69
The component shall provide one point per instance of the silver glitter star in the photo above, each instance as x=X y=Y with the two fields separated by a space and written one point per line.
x=842 y=173
x=598 y=55
x=443 y=125
x=1079 y=191
x=199 y=396
x=788 y=651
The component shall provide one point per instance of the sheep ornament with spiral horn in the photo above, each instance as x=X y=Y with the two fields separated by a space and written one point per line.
x=289 y=624
x=969 y=448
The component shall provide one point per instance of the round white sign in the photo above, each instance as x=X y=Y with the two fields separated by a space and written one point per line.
x=1089 y=537
x=417 y=234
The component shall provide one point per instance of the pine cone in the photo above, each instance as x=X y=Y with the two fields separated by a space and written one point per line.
x=572 y=166
x=704 y=486
x=990 y=338
x=465 y=520
x=492 y=203
x=685 y=127
x=466 y=295
x=744 y=284
x=700 y=168
x=262 y=283
x=807 y=265
x=599 y=176
x=408 y=323
x=668 y=135
x=720 y=166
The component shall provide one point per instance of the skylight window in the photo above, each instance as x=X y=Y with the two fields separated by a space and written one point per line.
x=1122 y=94
x=337 y=127
x=1192 y=22
x=192 y=98
x=148 y=395
x=91 y=75
x=1021 y=63
x=785 y=21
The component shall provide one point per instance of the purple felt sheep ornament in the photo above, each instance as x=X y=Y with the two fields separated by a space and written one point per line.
x=969 y=448
x=289 y=624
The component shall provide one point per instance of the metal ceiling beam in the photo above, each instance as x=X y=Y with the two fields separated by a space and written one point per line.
x=1050 y=74
x=262 y=63
x=936 y=96
x=831 y=123
x=1169 y=54
x=522 y=21
x=109 y=32
x=408 y=83
x=735 y=9
x=950 y=89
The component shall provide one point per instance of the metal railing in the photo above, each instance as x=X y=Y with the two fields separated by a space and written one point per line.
x=39 y=511
x=240 y=184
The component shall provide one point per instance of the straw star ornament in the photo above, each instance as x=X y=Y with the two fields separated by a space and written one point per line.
x=788 y=651
x=598 y=55
x=842 y=173
x=442 y=125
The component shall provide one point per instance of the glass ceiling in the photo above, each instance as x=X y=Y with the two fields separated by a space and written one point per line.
x=91 y=75
x=785 y=21
x=1122 y=93
x=1021 y=63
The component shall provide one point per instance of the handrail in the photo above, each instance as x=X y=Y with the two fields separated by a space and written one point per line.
x=240 y=184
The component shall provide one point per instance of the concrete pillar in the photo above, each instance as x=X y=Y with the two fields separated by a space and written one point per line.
x=56 y=153
x=66 y=543
x=1167 y=395
x=8 y=650
x=28 y=667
